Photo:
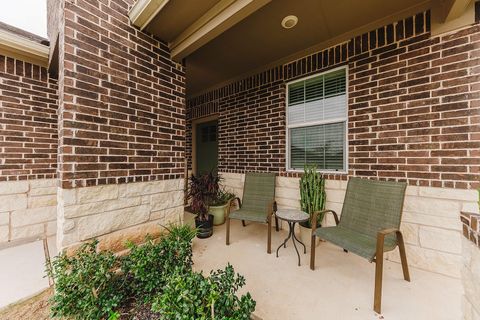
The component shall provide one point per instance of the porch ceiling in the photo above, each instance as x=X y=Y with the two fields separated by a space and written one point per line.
x=260 y=40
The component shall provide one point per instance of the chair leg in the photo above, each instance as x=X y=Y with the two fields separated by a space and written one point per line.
x=403 y=256
x=269 y=240
x=377 y=299
x=276 y=223
x=312 y=253
x=243 y=223
x=227 y=238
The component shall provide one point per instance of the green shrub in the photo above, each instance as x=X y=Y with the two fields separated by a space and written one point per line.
x=193 y=296
x=89 y=286
x=86 y=286
x=147 y=266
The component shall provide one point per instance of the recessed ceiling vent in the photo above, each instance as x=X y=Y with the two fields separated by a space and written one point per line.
x=289 y=22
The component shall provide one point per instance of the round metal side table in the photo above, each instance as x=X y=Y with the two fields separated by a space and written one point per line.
x=292 y=216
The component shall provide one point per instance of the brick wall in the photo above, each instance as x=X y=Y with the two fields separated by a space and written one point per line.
x=414 y=107
x=123 y=106
x=28 y=121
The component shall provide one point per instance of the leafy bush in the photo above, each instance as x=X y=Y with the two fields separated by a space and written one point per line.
x=86 y=286
x=222 y=198
x=89 y=286
x=193 y=296
x=147 y=266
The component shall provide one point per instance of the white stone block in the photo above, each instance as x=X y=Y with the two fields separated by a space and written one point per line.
x=36 y=231
x=430 y=206
x=27 y=217
x=68 y=225
x=287 y=182
x=333 y=184
x=43 y=191
x=4 y=218
x=335 y=206
x=337 y=196
x=13 y=202
x=143 y=188
x=173 y=184
x=410 y=232
x=80 y=210
x=471 y=207
x=13 y=187
x=448 y=193
x=51 y=228
x=100 y=224
x=3 y=233
x=440 y=239
x=165 y=213
x=430 y=260
x=42 y=183
x=411 y=191
x=451 y=223
x=287 y=203
x=288 y=193
x=66 y=197
x=42 y=201
x=166 y=200
x=97 y=193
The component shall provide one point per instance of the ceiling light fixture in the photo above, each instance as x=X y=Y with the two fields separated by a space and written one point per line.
x=289 y=22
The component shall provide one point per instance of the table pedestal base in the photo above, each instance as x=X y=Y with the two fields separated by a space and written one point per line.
x=291 y=234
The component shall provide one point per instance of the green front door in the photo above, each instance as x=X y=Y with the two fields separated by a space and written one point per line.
x=207 y=146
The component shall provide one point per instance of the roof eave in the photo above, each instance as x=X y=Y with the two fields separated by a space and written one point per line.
x=27 y=49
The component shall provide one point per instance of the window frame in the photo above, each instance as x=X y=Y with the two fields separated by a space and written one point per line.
x=316 y=123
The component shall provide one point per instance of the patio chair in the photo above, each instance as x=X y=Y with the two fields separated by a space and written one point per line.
x=258 y=204
x=369 y=226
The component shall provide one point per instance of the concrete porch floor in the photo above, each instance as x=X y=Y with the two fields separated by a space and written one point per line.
x=22 y=271
x=341 y=287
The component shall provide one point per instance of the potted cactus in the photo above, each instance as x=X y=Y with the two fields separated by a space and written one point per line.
x=312 y=198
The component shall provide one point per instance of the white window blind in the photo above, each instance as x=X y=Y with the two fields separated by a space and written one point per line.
x=316 y=121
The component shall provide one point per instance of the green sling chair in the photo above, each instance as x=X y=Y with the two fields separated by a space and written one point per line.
x=258 y=203
x=369 y=226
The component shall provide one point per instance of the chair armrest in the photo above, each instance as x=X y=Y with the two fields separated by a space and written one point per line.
x=229 y=205
x=381 y=240
x=315 y=217
x=272 y=207
x=384 y=232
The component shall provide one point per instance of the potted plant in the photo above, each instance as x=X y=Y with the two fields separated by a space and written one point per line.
x=202 y=190
x=312 y=198
x=218 y=206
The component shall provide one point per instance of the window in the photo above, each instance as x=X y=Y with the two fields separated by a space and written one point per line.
x=317 y=122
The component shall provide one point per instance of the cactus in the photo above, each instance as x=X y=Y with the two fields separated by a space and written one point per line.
x=312 y=192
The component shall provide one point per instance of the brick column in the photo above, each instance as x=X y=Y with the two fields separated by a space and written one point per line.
x=121 y=128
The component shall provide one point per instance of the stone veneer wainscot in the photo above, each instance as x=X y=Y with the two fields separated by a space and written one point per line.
x=119 y=212
x=471 y=264
x=27 y=210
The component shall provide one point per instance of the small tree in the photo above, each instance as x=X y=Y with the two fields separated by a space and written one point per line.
x=202 y=191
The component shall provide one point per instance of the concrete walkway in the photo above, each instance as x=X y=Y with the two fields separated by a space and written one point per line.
x=341 y=287
x=22 y=271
